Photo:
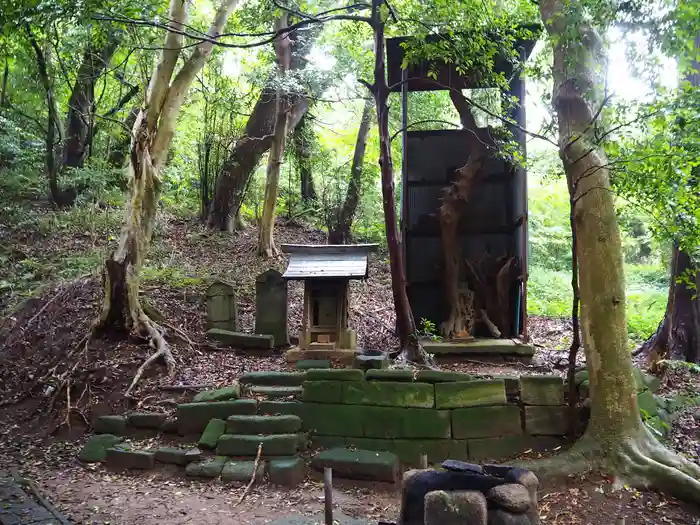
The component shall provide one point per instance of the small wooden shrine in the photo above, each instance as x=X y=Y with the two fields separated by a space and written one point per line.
x=326 y=271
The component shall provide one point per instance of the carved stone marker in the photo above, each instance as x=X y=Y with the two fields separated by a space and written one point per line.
x=271 y=306
x=222 y=310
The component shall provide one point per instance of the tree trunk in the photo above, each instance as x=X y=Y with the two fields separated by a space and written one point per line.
x=118 y=152
x=153 y=131
x=266 y=243
x=616 y=440
x=302 y=153
x=232 y=182
x=340 y=233
x=80 y=117
x=411 y=349
x=3 y=90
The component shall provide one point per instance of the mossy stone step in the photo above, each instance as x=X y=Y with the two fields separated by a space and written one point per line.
x=359 y=464
x=242 y=471
x=214 y=430
x=285 y=424
x=207 y=468
x=219 y=394
x=335 y=374
x=193 y=418
x=95 y=448
x=240 y=445
x=272 y=378
x=307 y=364
x=126 y=458
x=149 y=420
x=178 y=456
x=115 y=425
x=274 y=392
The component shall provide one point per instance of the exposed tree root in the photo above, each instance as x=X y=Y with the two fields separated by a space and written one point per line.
x=639 y=461
x=162 y=351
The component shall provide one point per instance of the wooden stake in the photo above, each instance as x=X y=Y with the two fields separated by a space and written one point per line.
x=252 y=478
x=328 y=493
x=424 y=461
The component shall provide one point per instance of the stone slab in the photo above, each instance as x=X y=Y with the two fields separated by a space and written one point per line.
x=242 y=471
x=340 y=355
x=481 y=422
x=333 y=420
x=126 y=458
x=371 y=361
x=470 y=393
x=213 y=431
x=283 y=424
x=542 y=390
x=241 y=340
x=358 y=464
x=207 y=468
x=335 y=374
x=415 y=423
x=247 y=445
x=149 y=420
x=193 y=417
x=288 y=472
x=389 y=375
x=384 y=393
x=442 y=376
x=273 y=378
x=95 y=448
x=115 y=425
x=480 y=347
x=323 y=391
x=178 y=456
x=307 y=364
x=273 y=408
x=219 y=394
x=546 y=420
x=273 y=392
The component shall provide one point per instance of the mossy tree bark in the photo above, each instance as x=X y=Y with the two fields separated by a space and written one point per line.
x=616 y=440
x=152 y=135
x=266 y=242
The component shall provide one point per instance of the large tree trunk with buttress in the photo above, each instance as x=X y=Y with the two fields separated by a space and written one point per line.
x=616 y=441
x=340 y=232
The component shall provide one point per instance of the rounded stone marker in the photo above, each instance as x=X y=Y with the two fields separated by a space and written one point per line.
x=455 y=508
x=511 y=496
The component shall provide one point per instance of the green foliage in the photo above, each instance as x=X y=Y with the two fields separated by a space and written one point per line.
x=428 y=329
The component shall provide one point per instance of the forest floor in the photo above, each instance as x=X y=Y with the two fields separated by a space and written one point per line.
x=51 y=298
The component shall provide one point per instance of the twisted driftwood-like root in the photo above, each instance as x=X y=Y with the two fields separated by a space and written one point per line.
x=639 y=461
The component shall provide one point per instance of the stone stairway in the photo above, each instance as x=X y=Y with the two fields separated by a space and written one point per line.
x=272 y=385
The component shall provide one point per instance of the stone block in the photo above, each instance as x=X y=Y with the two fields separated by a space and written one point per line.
x=512 y=384
x=241 y=340
x=512 y=497
x=274 y=392
x=273 y=378
x=193 y=417
x=335 y=374
x=333 y=420
x=481 y=422
x=323 y=391
x=213 y=431
x=358 y=464
x=151 y=420
x=247 y=445
x=178 y=456
x=126 y=458
x=371 y=361
x=307 y=364
x=282 y=407
x=319 y=441
x=542 y=390
x=426 y=424
x=441 y=376
x=502 y=448
x=95 y=448
x=389 y=375
x=220 y=394
x=470 y=393
x=546 y=421
x=271 y=306
x=115 y=425
x=384 y=393
x=288 y=472
x=169 y=426
x=286 y=424
x=503 y=517
x=455 y=508
x=647 y=403
x=409 y=451
x=242 y=471
x=207 y=468
x=222 y=309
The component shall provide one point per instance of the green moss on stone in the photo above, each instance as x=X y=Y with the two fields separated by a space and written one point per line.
x=247 y=445
x=335 y=374
x=273 y=378
x=389 y=375
x=470 y=393
x=647 y=404
x=242 y=471
x=323 y=391
x=193 y=417
x=481 y=422
x=542 y=390
x=220 y=394
x=333 y=420
x=319 y=441
x=95 y=448
x=381 y=393
x=213 y=431
x=208 y=468
x=282 y=407
x=440 y=376
x=359 y=464
x=288 y=472
x=307 y=364
x=115 y=425
x=282 y=424
x=546 y=420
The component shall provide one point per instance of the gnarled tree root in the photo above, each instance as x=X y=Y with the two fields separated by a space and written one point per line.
x=639 y=461
x=162 y=351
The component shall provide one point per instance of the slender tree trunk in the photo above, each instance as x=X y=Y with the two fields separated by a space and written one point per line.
x=302 y=153
x=616 y=441
x=340 y=234
x=80 y=117
x=118 y=153
x=153 y=131
x=266 y=243
x=3 y=91
x=232 y=183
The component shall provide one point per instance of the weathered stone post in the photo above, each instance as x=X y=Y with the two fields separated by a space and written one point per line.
x=271 y=306
x=222 y=309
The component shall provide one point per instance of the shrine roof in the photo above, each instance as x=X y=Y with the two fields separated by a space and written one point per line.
x=327 y=261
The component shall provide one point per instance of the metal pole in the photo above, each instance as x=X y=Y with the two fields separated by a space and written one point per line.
x=328 y=494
